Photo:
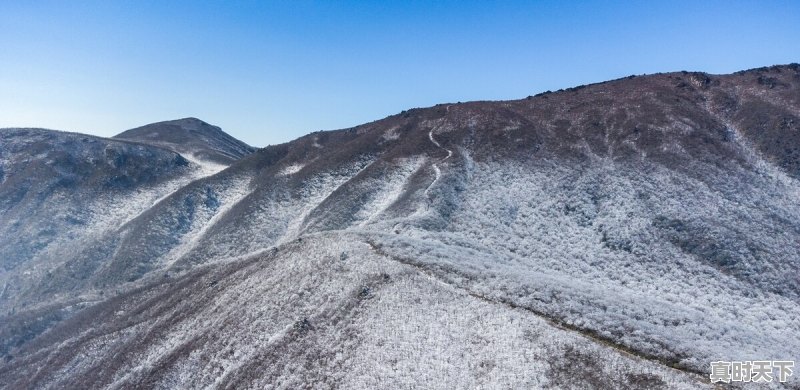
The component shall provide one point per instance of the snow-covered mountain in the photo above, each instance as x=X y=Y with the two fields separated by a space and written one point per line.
x=65 y=199
x=616 y=235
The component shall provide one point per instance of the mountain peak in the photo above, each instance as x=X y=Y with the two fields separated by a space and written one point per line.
x=193 y=137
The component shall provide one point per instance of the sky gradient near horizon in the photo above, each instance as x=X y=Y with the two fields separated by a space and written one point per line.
x=269 y=72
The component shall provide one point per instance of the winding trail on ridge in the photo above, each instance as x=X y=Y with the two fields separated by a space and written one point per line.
x=435 y=165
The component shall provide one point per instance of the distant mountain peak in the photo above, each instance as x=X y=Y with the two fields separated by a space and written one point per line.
x=192 y=124
x=192 y=138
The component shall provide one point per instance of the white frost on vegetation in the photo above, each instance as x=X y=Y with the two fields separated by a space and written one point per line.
x=333 y=312
x=580 y=246
x=107 y=213
x=314 y=192
x=278 y=214
x=387 y=190
x=227 y=194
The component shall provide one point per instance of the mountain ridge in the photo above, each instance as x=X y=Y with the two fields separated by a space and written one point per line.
x=642 y=211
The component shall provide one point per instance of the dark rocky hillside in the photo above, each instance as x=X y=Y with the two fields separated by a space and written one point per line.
x=192 y=138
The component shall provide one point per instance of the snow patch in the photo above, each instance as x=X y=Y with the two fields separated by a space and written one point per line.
x=207 y=168
x=291 y=169
x=392 y=134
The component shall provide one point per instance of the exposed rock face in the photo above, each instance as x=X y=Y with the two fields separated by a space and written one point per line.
x=621 y=234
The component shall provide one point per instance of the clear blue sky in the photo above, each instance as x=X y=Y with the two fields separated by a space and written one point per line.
x=268 y=72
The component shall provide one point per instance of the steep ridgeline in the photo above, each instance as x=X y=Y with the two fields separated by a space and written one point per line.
x=192 y=138
x=615 y=235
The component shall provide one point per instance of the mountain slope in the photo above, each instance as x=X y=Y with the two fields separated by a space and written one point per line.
x=652 y=220
x=50 y=177
x=192 y=138
x=63 y=196
x=328 y=311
